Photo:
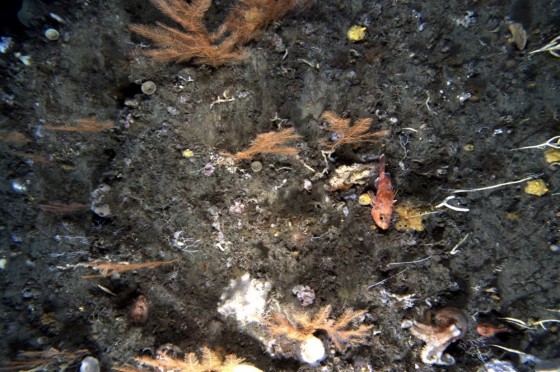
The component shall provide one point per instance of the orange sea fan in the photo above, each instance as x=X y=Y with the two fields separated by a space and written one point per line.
x=347 y=134
x=299 y=326
x=270 y=143
x=87 y=125
x=193 y=42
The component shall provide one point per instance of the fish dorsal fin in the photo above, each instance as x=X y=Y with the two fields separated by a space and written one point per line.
x=372 y=197
x=385 y=175
x=382 y=161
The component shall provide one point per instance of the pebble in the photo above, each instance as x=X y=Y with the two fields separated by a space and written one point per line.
x=89 y=364
x=256 y=166
x=52 y=34
x=149 y=87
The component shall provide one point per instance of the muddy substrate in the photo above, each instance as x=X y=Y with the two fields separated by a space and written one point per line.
x=455 y=94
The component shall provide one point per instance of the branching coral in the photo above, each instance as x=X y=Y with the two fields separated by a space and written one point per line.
x=51 y=359
x=248 y=17
x=109 y=268
x=300 y=326
x=14 y=137
x=195 y=42
x=84 y=125
x=270 y=143
x=209 y=361
x=347 y=134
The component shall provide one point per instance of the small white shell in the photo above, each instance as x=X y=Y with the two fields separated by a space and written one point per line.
x=52 y=34
x=311 y=351
x=149 y=87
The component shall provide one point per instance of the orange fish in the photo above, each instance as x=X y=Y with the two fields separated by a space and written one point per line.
x=382 y=202
x=488 y=330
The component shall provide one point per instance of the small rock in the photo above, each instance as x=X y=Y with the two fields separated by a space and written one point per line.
x=139 y=310
x=304 y=294
x=52 y=34
x=307 y=185
x=518 y=35
x=89 y=364
x=256 y=166
x=149 y=87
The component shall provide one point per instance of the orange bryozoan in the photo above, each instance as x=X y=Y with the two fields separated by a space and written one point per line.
x=194 y=42
x=347 y=134
x=300 y=326
x=270 y=143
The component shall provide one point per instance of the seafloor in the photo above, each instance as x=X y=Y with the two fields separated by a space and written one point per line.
x=457 y=94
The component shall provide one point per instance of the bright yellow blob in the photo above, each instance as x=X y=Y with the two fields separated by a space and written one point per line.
x=188 y=153
x=356 y=33
x=364 y=199
x=552 y=156
x=410 y=217
x=536 y=187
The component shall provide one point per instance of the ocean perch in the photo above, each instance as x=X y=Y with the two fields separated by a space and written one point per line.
x=382 y=202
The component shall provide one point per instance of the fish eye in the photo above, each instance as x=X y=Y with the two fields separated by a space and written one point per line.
x=382 y=218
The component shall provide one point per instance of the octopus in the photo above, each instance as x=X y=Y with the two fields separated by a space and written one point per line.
x=438 y=330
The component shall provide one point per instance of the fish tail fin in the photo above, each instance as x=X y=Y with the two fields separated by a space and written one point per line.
x=382 y=163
